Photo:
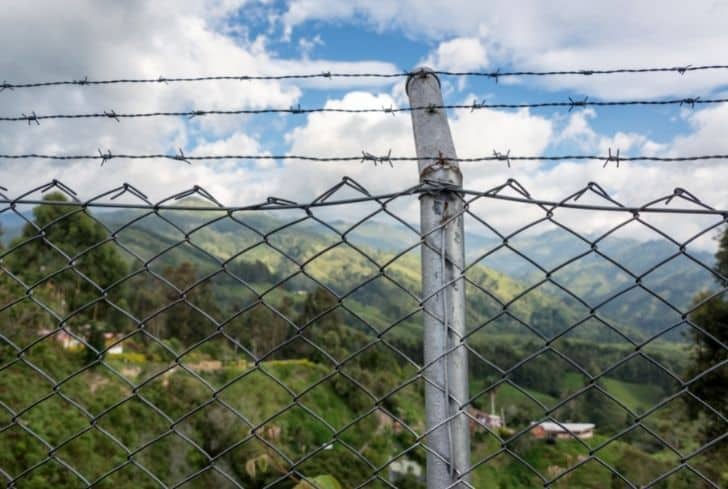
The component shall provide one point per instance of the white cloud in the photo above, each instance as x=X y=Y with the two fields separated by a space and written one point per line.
x=48 y=40
x=459 y=54
x=561 y=34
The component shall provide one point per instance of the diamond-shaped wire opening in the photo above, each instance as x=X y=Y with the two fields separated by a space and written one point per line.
x=503 y=468
x=218 y=359
x=683 y=227
x=671 y=422
x=339 y=402
x=552 y=305
x=214 y=427
x=593 y=345
x=22 y=450
x=638 y=369
x=639 y=314
x=339 y=334
x=175 y=391
x=518 y=406
x=263 y=392
x=134 y=422
x=597 y=406
x=680 y=280
x=341 y=268
x=503 y=327
x=382 y=235
x=147 y=236
x=55 y=420
x=261 y=330
x=339 y=462
x=637 y=256
x=92 y=454
x=250 y=274
x=551 y=374
x=302 y=240
x=378 y=368
x=563 y=245
x=494 y=271
x=300 y=431
x=405 y=468
x=256 y=461
x=505 y=217
x=180 y=458
x=593 y=278
x=589 y=472
x=406 y=404
x=380 y=303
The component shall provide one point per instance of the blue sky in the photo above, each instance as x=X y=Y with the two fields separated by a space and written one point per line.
x=103 y=39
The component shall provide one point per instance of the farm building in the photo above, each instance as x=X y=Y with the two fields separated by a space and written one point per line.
x=481 y=419
x=562 y=431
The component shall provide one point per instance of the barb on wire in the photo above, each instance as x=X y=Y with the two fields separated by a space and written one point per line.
x=197 y=113
x=389 y=110
x=578 y=103
x=477 y=105
x=690 y=101
x=296 y=110
x=32 y=118
x=503 y=157
x=683 y=69
x=105 y=156
x=615 y=158
x=366 y=156
x=111 y=115
x=6 y=86
x=181 y=157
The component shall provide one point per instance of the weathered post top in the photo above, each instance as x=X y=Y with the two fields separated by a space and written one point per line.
x=431 y=129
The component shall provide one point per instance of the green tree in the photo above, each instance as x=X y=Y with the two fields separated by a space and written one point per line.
x=181 y=319
x=706 y=353
x=66 y=258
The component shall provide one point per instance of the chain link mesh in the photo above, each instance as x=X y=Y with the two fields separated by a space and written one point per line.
x=188 y=344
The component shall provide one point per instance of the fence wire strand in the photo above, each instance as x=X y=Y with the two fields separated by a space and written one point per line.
x=494 y=75
x=571 y=104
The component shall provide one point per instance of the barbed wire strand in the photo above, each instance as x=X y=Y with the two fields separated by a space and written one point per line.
x=495 y=75
x=107 y=156
x=571 y=104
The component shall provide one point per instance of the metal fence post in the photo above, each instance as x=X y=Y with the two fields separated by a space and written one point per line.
x=443 y=289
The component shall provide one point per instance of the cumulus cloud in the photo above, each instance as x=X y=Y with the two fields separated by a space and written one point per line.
x=459 y=54
x=104 y=39
x=560 y=34
x=188 y=37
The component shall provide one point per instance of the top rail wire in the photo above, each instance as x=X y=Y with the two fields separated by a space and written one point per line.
x=495 y=75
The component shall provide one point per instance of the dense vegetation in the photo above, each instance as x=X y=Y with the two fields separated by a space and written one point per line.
x=245 y=367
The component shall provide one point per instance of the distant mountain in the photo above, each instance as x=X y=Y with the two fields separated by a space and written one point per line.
x=500 y=273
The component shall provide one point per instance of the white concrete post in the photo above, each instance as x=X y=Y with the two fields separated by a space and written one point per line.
x=443 y=289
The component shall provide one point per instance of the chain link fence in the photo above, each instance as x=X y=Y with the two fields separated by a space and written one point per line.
x=183 y=343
